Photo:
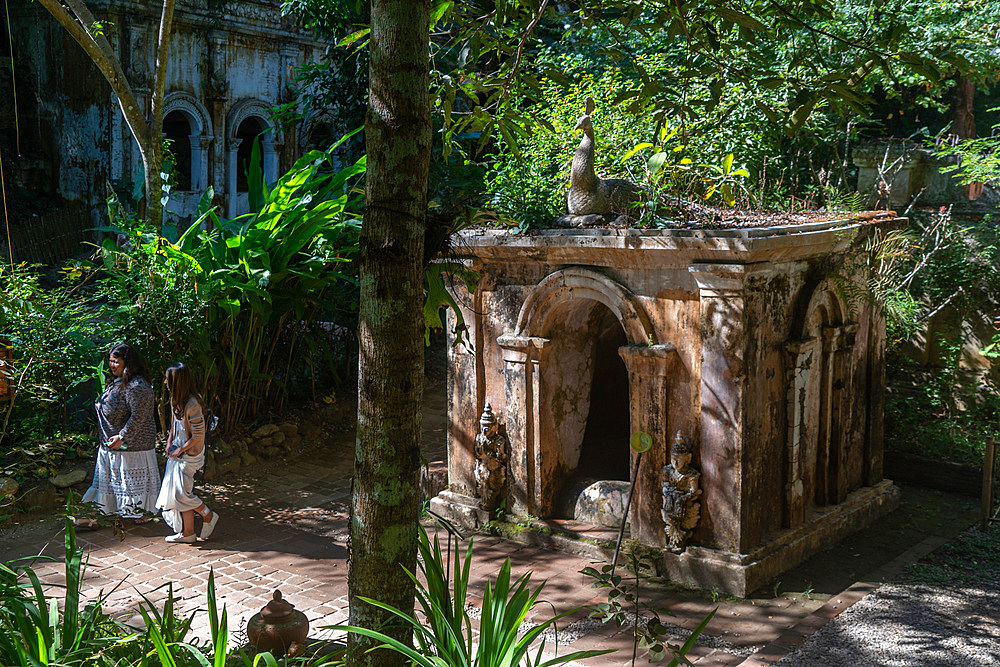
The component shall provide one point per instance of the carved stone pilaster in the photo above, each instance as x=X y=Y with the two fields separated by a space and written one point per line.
x=800 y=361
x=649 y=368
x=523 y=357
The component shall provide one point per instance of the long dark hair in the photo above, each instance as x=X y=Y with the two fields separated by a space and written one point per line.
x=135 y=365
x=179 y=383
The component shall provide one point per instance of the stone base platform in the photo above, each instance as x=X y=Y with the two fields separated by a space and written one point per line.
x=697 y=567
x=461 y=510
x=742 y=574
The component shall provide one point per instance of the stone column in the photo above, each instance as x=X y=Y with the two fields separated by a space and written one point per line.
x=200 y=145
x=800 y=362
x=216 y=91
x=648 y=367
x=269 y=158
x=232 y=148
x=723 y=297
x=523 y=357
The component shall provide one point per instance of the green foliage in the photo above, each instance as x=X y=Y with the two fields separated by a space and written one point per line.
x=237 y=300
x=149 y=301
x=36 y=630
x=55 y=356
x=971 y=558
x=786 y=88
x=922 y=417
x=260 y=305
x=978 y=159
x=952 y=280
x=445 y=635
x=626 y=608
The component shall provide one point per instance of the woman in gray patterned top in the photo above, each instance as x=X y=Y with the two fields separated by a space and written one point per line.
x=126 y=475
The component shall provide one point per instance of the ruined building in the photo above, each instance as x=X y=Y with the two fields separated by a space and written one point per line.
x=230 y=63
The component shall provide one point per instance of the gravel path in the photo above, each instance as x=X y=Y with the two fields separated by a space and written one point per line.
x=954 y=621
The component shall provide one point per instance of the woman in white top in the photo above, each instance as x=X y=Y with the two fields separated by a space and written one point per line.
x=185 y=457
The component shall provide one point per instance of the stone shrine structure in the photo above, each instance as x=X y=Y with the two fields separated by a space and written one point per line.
x=737 y=339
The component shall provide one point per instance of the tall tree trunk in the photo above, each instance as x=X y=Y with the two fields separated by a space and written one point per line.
x=963 y=123
x=154 y=166
x=385 y=497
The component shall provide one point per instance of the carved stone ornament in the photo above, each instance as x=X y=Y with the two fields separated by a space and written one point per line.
x=681 y=491
x=491 y=460
x=593 y=200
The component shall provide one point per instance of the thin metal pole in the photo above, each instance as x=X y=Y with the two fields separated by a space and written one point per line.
x=987 y=499
x=628 y=503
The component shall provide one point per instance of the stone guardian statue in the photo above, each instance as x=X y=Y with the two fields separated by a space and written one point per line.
x=491 y=460
x=681 y=491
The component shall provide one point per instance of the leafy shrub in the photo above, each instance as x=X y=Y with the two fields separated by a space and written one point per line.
x=446 y=636
x=240 y=301
x=954 y=279
x=715 y=125
x=55 y=360
x=262 y=305
x=36 y=630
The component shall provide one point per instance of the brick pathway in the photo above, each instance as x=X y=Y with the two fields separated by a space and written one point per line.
x=286 y=527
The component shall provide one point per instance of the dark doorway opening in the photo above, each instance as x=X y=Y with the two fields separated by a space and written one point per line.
x=605 y=452
x=249 y=130
x=177 y=129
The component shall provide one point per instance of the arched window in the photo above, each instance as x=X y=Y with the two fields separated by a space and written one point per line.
x=187 y=124
x=177 y=129
x=251 y=128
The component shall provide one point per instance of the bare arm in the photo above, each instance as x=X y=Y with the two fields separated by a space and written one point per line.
x=196 y=438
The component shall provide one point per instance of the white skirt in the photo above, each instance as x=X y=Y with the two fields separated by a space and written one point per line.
x=177 y=492
x=125 y=483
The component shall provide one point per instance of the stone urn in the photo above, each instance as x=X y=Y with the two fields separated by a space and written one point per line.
x=278 y=628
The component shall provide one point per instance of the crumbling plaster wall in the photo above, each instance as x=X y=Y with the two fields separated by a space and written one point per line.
x=221 y=55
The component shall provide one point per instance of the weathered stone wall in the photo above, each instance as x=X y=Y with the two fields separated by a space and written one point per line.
x=228 y=62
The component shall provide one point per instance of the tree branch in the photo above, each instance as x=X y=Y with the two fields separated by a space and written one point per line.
x=927 y=316
x=106 y=62
x=160 y=78
x=520 y=50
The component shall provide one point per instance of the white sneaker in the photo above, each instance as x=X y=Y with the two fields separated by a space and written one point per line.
x=181 y=538
x=208 y=527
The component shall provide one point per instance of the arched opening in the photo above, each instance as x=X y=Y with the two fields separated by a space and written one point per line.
x=249 y=130
x=588 y=407
x=177 y=130
x=818 y=408
x=604 y=453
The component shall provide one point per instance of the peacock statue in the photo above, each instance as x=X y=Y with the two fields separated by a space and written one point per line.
x=588 y=194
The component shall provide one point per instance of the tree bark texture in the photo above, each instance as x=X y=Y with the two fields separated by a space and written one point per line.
x=963 y=123
x=385 y=496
